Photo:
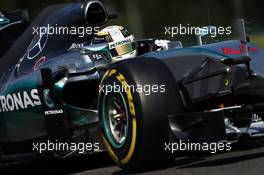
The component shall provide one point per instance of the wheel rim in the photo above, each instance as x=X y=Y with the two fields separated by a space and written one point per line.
x=115 y=118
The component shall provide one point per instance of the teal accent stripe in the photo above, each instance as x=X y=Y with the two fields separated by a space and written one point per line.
x=4 y=20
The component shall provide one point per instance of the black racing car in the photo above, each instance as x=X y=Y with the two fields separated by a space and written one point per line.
x=57 y=93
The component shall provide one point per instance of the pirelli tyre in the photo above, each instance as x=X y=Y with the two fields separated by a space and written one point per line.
x=136 y=97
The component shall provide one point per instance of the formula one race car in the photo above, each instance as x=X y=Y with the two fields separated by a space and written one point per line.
x=55 y=89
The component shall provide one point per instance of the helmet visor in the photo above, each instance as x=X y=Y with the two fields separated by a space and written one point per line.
x=123 y=49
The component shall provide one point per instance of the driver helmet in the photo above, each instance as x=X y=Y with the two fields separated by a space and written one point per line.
x=120 y=42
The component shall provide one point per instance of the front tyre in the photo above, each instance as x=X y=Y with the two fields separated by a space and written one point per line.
x=136 y=97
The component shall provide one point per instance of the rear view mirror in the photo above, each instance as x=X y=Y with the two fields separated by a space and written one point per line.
x=200 y=32
x=95 y=13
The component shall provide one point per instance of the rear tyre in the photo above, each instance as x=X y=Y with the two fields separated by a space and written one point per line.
x=134 y=121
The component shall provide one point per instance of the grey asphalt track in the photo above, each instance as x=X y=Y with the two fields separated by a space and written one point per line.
x=247 y=159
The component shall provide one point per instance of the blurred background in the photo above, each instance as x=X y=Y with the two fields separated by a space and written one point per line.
x=147 y=18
